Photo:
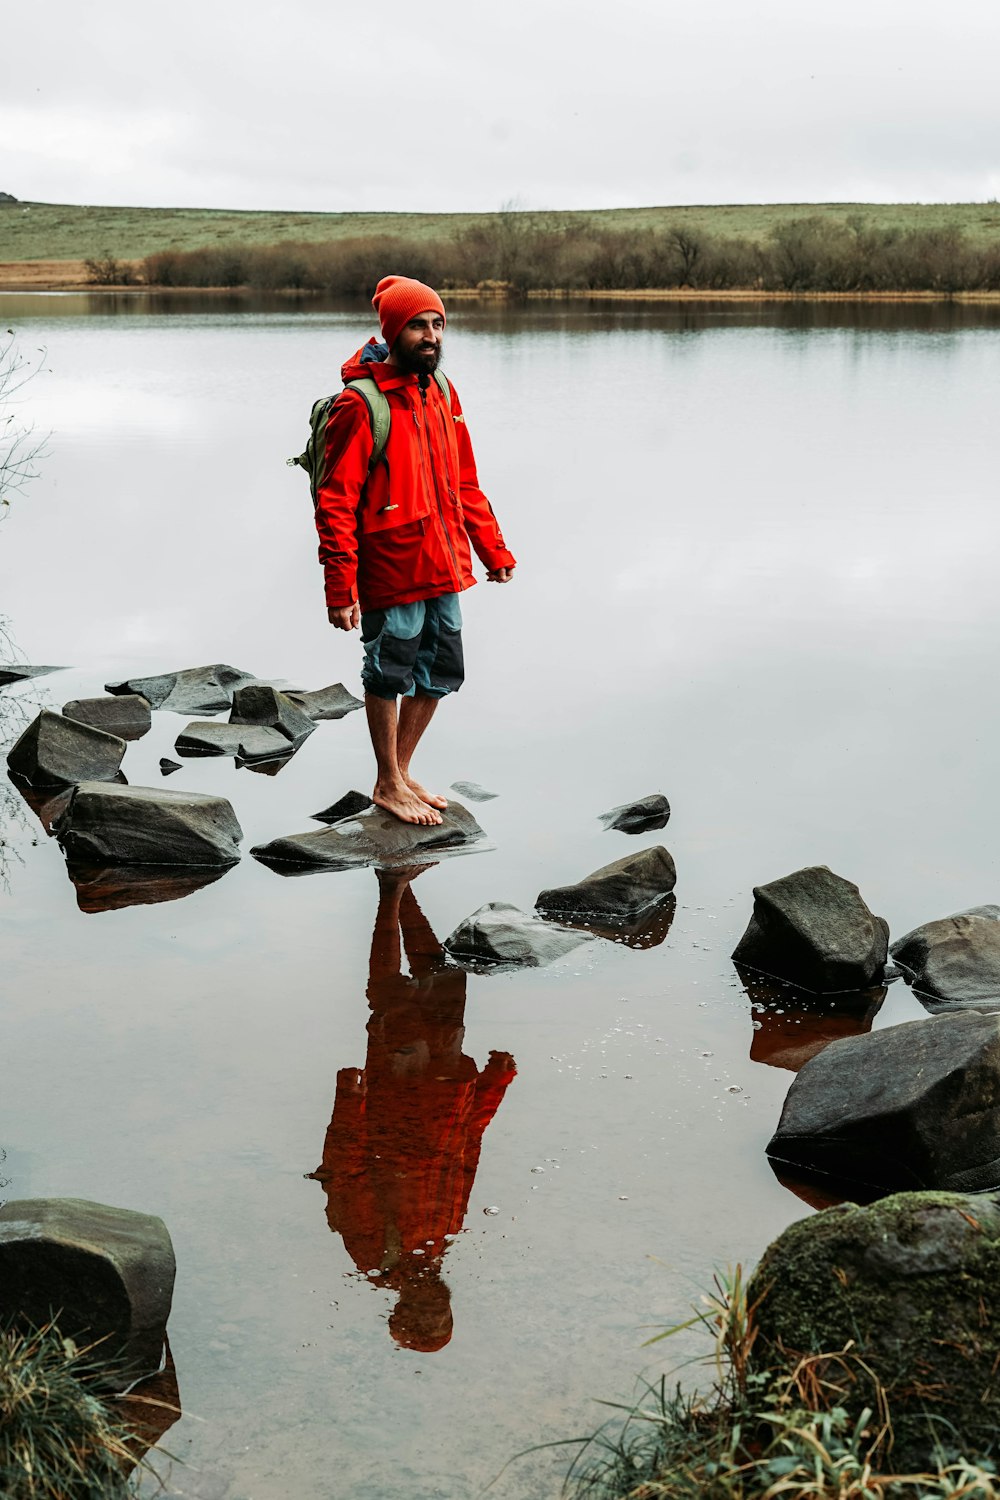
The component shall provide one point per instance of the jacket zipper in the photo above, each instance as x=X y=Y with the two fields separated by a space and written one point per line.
x=437 y=491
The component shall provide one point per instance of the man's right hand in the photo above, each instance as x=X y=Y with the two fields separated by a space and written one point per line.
x=345 y=617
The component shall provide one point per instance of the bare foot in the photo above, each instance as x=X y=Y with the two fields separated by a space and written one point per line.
x=431 y=798
x=398 y=798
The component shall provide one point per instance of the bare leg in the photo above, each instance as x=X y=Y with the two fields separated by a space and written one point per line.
x=391 y=789
x=414 y=716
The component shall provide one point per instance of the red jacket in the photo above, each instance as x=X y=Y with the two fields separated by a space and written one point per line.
x=401 y=533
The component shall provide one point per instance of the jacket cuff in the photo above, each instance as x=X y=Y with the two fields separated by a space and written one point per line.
x=341 y=598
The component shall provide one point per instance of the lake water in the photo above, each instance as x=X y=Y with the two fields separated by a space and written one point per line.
x=757 y=551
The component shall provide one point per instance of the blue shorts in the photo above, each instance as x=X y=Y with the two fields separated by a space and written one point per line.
x=413 y=648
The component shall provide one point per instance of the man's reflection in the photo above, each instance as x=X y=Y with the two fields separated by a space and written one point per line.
x=403 y=1145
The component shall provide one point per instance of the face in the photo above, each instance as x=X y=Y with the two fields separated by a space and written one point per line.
x=418 y=347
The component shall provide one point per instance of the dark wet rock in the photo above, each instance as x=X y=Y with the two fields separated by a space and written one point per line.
x=193 y=690
x=647 y=930
x=21 y=671
x=114 y=887
x=373 y=837
x=143 y=825
x=913 y=1106
x=619 y=891
x=499 y=933
x=954 y=962
x=473 y=791
x=793 y=1025
x=327 y=703
x=813 y=928
x=127 y=715
x=265 y=706
x=348 y=806
x=168 y=767
x=248 y=742
x=107 y=1272
x=54 y=751
x=639 y=817
x=909 y=1285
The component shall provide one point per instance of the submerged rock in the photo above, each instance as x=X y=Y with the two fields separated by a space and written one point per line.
x=913 y=1106
x=813 y=928
x=259 y=704
x=954 y=963
x=114 y=887
x=248 y=742
x=373 y=837
x=499 y=933
x=54 y=751
x=473 y=791
x=127 y=715
x=142 y=825
x=327 y=703
x=21 y=671
x=193 y=690
x=107 y=1273
x=909 y=1285
x=638 y=817
x=619 y=891
x=347 y=806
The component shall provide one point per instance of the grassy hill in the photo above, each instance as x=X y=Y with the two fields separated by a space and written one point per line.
x=65 y=232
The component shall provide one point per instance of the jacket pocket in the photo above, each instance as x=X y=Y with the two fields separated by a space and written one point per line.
x=396 y=518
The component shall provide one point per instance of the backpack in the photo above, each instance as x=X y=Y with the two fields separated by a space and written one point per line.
x=313 y=457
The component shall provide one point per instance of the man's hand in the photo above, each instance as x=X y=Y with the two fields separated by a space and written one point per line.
x=345 y=617
x=500 y=575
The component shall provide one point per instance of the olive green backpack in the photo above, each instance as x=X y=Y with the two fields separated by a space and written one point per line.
x=313 y=458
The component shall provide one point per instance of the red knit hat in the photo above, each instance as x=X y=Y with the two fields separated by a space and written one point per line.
x=398 y=300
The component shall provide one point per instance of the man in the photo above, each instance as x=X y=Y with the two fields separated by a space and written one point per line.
x=395 y=539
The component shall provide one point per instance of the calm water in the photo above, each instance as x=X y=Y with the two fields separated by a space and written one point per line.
x=757 y=554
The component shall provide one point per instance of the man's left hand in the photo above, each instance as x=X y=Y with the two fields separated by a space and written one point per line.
x=500 y=575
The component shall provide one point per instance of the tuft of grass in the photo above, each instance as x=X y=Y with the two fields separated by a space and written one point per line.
x=58 y=1439
x=761 y=1431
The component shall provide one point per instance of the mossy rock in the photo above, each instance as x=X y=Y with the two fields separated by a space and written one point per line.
x=914 y=1282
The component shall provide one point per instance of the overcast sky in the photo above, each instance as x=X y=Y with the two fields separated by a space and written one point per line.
x=453 y=104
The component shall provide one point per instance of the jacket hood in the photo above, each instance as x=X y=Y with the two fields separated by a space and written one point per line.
x=370 y=360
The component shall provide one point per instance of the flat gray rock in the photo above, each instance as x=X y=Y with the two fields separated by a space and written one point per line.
x=126 y=715
x=813 y=927
x=373 y=837
x=107 y=1272
x=193 y=690
x=499 y=933
x=21 y=671
x=54 y=751
x=619 y=891
x=327 y=703
x=107 y=824
x=913 y=1106
x=641 y=816
x=473 y=791
x=348 y=806
x=264 y=706
x=248 y=742
x=954 y=962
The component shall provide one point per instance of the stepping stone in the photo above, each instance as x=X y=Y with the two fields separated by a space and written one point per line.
x=115 y=825
x=619 y=891
x=327 y=703
x=373 y=837
x=127 y=715
x=638 y=817
x=499 y=933
x=54 y=751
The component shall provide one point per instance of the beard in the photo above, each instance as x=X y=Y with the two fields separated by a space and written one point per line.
x=419 y=361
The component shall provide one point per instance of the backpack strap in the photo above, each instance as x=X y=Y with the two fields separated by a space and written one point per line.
x=378 y=411
x=445 y=385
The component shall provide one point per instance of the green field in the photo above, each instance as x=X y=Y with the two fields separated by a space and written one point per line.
x=60 y=231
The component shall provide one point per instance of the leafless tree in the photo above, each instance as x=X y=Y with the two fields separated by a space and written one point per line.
x=20 y=445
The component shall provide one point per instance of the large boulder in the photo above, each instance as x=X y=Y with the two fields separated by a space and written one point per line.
x=373 y=837
x=142 y=825
x=247 y=742
x=909 y=1288
x=641 y=816
x=259 y=704
x=954 y=963
x=813 y=928
x=499 y=933
x=913 y=1106
x=105 y=1273
x=347 y=806
x=21 y=671
x=331 y=702
x=127 y=715
x=193 y=690
x=619 y=891
x=54 y=751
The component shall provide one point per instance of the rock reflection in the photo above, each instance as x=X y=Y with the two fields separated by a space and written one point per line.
x=648 y=930
x=112 y=887
x=46 y=802
x=150 y=1408
x=403 y=1145
x=792 y=1025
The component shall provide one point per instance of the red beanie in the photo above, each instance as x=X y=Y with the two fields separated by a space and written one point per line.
x=398 y=300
